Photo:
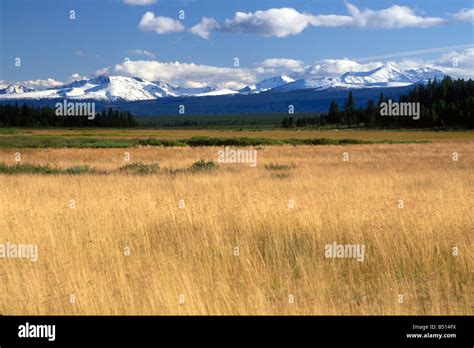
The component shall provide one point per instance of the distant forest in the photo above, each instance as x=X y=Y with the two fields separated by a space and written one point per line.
x=31 y=117
x=443 y=104
x=448 y=103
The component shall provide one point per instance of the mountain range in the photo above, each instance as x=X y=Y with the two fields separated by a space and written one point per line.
x=132 y=89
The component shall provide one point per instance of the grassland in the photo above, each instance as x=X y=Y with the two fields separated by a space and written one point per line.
x=129 y=248
x=176 y=134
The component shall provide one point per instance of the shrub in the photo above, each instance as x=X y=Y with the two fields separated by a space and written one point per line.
x=203 y=165
x=140 y=168
x=79 y=170
x=276 y=166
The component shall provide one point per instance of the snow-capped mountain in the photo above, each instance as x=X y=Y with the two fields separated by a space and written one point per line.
x=267 y=84
x=179 y=91
x=423 y=75
x=120 y=88
x=390 y=76
x=384 y=76
x=310 y=83
x=111 y=88
x=108 y=88
x=15 y=89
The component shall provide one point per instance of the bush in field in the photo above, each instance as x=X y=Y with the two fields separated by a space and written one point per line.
x=141 y=168
x=76 y=170
x=203 y=165
x=276 y=166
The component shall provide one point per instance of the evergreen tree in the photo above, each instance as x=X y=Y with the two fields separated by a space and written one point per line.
x=334 y=115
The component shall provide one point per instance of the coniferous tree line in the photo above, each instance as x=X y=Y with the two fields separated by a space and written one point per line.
x=445 y=103
x=28 y=116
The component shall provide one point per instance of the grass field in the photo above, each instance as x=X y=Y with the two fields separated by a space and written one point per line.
x=173 y=134
x=247 y=240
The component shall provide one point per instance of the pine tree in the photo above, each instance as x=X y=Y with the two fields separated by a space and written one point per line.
x=371 y=114
x=334 y=115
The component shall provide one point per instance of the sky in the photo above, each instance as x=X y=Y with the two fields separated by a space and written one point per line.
x=231 y=43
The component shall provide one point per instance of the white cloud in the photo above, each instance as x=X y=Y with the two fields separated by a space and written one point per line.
x=407 y=64
x=141 y=53
x=393 y=17
x=283 y=22
x=274 y=64
x=457 y=64
x=75 y=77
x=42 y=84
x=103 y=71
x=336 y=67
x=160 y=25
x=205 y=27
x=79 y=53
x=279 y=22
x=331 y=20
x=185 y=74
x=139 y=2
x=464 y=15
x=419 y=52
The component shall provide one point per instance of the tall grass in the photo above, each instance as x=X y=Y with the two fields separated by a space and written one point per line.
x=227 y=242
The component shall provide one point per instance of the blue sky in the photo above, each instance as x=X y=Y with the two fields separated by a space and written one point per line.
x=105 y=32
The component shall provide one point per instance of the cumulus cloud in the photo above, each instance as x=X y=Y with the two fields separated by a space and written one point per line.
x=75 y=77
x=144 y=53
x=139 y=2
x=336 y=67
x=457 y=63
x=283 y=22
x=464 y=15
x=272 y=65
x=159 y=24
x=279 y=22
x=42 y=84
x=393 y=17
x=331 y=20
x=205 y=27
x=185 y=74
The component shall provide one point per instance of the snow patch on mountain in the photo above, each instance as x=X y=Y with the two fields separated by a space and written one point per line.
x=216 y=93
x=267 y=84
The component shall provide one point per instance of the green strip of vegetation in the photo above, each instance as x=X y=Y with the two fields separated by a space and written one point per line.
x=136 y=168
x=43 y=169
x=18 y=142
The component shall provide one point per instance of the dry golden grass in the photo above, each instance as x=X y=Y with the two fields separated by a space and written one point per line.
x=190 y=251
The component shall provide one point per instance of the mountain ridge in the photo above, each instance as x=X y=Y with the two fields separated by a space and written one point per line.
x=130 y=89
